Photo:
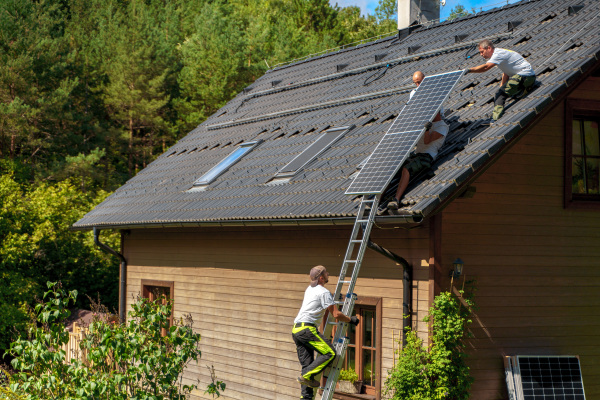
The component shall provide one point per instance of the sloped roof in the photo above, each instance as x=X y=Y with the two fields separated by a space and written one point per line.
x=289 y=106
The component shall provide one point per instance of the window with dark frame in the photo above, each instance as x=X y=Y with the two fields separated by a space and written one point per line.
x=363 y=353
x=582 y=154
x=225 y=163
x=313 y=151
x=159 y=291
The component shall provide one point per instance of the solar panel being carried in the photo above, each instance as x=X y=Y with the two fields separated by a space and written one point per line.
x=401 y=138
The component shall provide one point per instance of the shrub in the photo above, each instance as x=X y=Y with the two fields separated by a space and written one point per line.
x=348 y=375
x=143 y=358
x=441 y=372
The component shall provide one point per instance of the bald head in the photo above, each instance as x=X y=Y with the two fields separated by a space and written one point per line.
x=418 y=77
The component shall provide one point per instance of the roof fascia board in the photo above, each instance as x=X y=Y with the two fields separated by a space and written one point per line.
x=561 y=97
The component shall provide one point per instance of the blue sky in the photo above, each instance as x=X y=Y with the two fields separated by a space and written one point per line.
x=368 y=6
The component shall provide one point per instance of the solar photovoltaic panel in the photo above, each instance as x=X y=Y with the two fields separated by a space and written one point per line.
x=547 y=378
x=403 y=134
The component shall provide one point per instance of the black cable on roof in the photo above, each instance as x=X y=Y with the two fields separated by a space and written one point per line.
x=365 y=83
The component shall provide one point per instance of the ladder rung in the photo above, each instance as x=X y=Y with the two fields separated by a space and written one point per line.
x=362 y=221
x=344 y=281
x=356 y=241
x=350 y=261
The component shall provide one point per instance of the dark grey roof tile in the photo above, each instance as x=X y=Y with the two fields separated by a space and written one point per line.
x=159 y=192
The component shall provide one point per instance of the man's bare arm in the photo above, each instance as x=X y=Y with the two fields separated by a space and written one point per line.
x=482 y=68
x=337 y=314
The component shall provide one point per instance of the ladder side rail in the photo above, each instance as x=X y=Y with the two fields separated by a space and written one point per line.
x=340 y=341
x=350 y=249
x=367 y=227
x=329 y=388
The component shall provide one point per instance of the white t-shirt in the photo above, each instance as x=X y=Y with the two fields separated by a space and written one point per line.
x=433 y=147
x=316 y=301
x=511 y=62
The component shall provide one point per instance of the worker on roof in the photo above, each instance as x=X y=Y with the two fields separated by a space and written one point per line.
x=317 y=299
x=426 y=151
x=518 y=77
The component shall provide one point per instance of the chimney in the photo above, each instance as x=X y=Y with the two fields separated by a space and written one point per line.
x=416 y=12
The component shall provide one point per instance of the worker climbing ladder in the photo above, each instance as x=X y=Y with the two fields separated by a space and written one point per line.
x=353 y=258
x=370 y=183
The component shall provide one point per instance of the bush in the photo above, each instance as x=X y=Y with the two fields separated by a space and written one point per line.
x=441 y=372
x=348 y=375
x=143 y=358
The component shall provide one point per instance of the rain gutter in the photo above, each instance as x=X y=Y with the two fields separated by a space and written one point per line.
x=381 y=220
x=123 y=272
x=407 y=275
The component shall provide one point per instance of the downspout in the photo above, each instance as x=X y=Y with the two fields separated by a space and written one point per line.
x=406 y=286
x=123 y=272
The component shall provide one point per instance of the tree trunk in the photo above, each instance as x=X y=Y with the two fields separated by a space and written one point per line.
x=130 y=164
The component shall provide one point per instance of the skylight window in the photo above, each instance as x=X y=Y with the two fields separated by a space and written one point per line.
x=312 y=151
x=225 y=163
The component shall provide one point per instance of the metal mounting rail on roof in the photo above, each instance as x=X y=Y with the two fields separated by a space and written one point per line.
x=312 y=107
x=394 y=62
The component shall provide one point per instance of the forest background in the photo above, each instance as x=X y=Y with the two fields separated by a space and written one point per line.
x=92 y=91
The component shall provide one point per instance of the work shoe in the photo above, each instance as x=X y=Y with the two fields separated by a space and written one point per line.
x=308 y=382
x=393 y=205
x=498 y=111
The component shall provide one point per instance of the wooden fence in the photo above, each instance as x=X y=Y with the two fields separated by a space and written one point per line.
x=71 y=348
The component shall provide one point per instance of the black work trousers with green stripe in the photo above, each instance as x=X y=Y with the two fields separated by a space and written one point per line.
x=308 y=340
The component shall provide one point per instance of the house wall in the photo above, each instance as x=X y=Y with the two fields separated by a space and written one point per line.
x=535 y=263
x=243 y=287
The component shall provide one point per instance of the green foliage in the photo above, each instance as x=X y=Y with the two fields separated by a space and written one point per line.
x=96 y=89
x=141 y=359
x=39 y=358
x=439 y=372
x=348 y=375
x=458 y=12
x=36 y=244
x=215 y=387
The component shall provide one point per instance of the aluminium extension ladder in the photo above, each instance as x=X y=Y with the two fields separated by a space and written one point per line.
x=358 y=240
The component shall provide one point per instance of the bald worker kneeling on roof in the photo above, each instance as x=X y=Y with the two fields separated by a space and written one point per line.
x=426 y=151
x=518 y=77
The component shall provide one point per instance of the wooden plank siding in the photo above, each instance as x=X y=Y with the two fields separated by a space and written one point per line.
x=243 y=287
x=535 y=263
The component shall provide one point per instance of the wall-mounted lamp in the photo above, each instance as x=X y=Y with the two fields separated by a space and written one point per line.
x=457 y=269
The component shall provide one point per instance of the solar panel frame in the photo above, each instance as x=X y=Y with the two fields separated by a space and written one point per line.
x=545 y=378
x=404 y=133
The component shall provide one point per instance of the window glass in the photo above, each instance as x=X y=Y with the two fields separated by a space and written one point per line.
x=368 y=328
x=592 y=168
x=578 y=175
x=361 y=354
x=224 y=164
x=368 y=367
x=311 y=152
x=582 y=165
x=585 y=160
x=576 y=137
x=590 y=129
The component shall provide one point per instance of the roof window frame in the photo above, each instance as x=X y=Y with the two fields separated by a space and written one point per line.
x=227 y=162
x=322 y=142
